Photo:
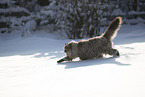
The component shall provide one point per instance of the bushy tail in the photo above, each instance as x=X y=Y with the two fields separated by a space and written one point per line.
x=113 y=28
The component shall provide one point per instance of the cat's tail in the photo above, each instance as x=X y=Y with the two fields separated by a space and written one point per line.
x=113 y=28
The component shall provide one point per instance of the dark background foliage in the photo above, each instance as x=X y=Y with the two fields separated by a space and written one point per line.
x=75 y=18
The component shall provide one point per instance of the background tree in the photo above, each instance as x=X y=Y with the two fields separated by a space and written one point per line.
x=81 y=17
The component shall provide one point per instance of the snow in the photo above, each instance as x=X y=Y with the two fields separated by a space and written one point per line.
x=117 y=12
x=29 y=27
x=14 y=9
x=28 y=67
x=135 y=12
x=5 y=1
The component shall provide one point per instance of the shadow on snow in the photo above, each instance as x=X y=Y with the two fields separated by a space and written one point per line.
x=84 y=63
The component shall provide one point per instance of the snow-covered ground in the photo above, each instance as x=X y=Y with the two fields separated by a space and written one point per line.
x=28 y=68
